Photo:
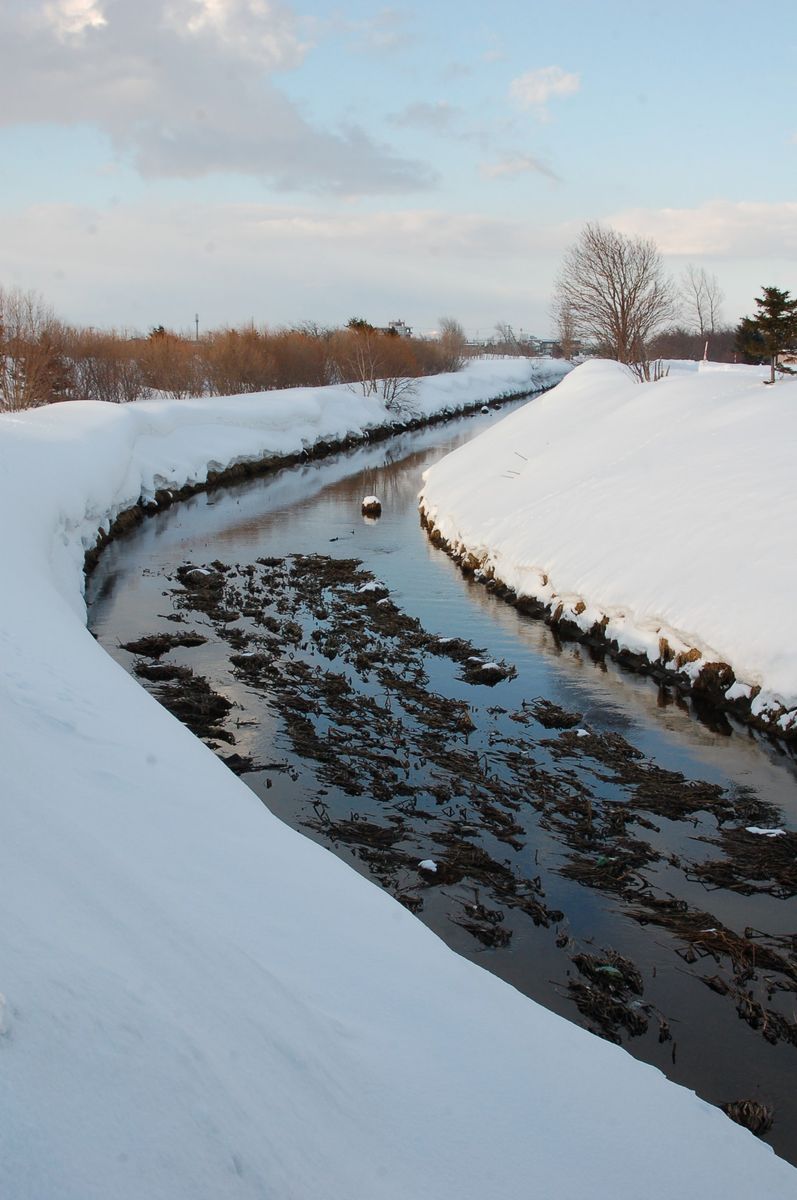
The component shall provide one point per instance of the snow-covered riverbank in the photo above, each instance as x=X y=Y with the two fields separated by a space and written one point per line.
x=200 y=1003
x=658 y=517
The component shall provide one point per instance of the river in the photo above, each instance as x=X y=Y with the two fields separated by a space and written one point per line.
x=586 y=835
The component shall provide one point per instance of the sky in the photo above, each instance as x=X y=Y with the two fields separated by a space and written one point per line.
x=248 y=160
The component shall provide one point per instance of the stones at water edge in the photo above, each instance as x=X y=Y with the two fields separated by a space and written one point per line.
x=713 y=684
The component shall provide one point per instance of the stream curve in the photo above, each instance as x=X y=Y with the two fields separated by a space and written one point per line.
x=590 y=837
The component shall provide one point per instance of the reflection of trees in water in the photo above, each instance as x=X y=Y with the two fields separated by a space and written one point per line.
x=397 y=480
x=394 y=484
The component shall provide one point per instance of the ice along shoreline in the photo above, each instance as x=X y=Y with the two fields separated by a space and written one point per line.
x=542 y=507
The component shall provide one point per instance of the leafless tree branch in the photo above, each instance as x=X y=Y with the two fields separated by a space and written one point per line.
x=614 y=291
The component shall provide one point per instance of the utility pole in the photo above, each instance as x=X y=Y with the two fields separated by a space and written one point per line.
x=196 y=321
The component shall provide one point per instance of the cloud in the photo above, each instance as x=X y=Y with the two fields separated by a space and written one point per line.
x=518 y=164
x=450 y=121
x=142 y=265
x=71 y=18
x=534 y=89
x=724 y=228
x=265 y=32
x=182 y=88
x=439 y=117
x=385 y=32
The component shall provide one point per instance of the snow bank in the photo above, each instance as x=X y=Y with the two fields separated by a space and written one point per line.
x=659 y=513
x=198 y=1002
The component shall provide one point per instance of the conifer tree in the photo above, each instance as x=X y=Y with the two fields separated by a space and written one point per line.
x=772 y=330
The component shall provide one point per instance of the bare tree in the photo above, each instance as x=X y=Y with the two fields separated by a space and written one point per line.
x=452 y=342
x=614 y=289
x=507 y=340
x=701 y=298
x=565 y=327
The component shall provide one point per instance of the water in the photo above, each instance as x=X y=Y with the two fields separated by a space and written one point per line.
x=558 y=797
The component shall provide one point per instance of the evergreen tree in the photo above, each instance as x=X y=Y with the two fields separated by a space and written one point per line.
x=772 y=330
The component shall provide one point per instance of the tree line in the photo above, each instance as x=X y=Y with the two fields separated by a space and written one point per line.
x=43 y=360
x=612 y=290
x=612 y=294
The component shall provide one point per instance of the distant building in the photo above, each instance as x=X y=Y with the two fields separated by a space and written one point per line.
x=399 y=327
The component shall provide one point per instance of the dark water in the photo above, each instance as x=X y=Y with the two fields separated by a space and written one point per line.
x=623 y=949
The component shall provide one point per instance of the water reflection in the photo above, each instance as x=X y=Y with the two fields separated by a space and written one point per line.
x=315 y=509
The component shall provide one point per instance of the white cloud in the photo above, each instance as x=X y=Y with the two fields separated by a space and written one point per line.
x=534 y=89
x=182 y=89
x=259 y=30
x=725 y=228
x=71 y=18
x=138 y=266
x=518 y=164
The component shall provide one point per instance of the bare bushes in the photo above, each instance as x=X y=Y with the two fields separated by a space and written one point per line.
x=172 y=364
x=42 y=360
x=649 y=370
x=368 y=359
x=233 y=361
x=376 y=363
x=104 y=366
x=33 y=367
x=258 y=360
x=301 y=358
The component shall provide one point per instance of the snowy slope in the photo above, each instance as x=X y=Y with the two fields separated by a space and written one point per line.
x=201 y=1004
x=664 y=510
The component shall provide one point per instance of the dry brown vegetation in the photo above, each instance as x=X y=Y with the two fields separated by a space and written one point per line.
x=43 y=360
x=32 y=352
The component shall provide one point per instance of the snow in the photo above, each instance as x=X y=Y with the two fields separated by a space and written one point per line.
x=428 y=864
x=770 y=833
x=664 y=509
x=200 y=1004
